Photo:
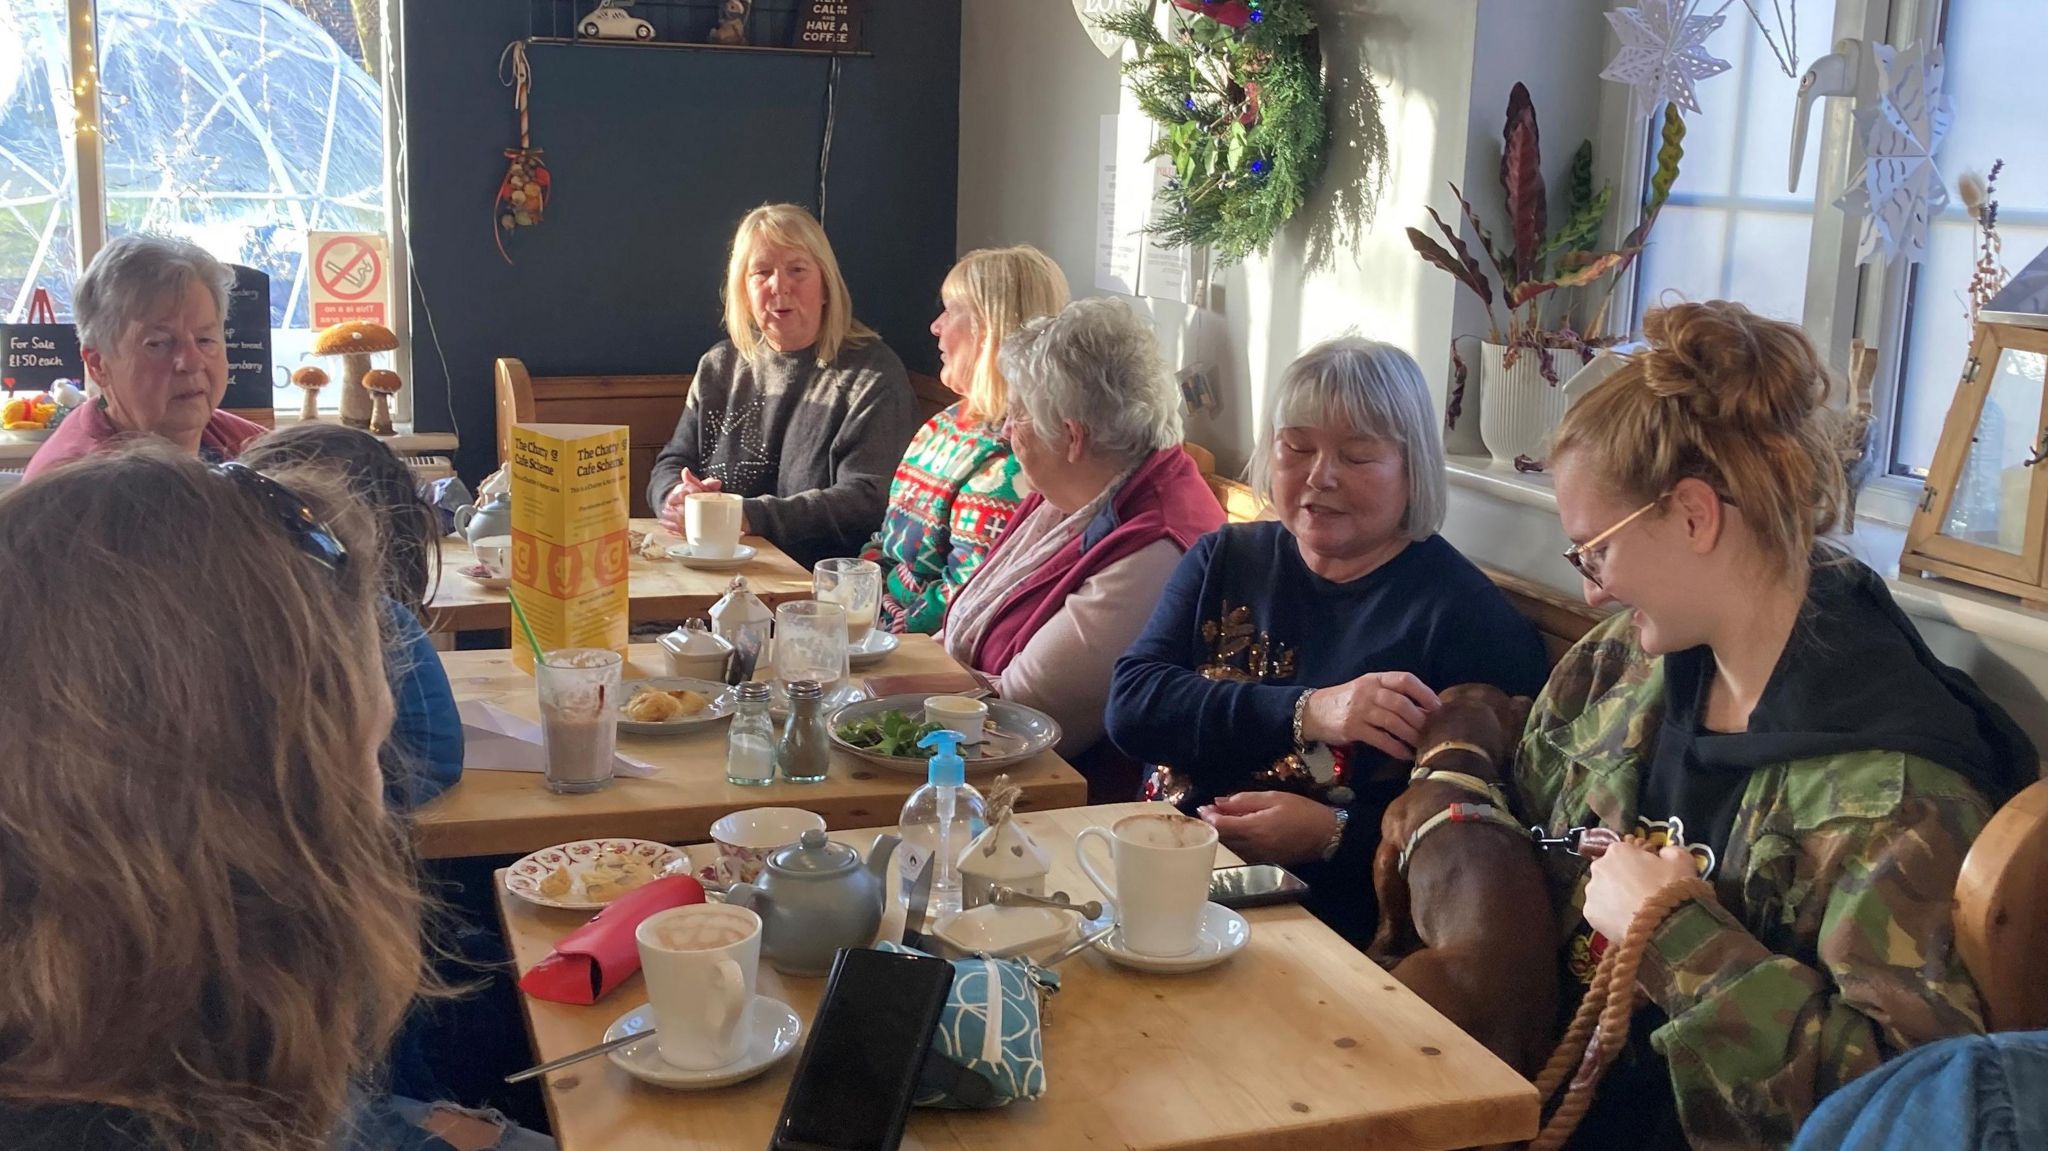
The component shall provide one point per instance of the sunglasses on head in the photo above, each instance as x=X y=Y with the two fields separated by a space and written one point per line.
x=311 y=535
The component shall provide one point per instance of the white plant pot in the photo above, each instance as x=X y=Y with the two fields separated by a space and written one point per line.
x=1518 y=407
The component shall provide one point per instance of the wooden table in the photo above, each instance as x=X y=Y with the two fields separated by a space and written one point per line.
x=1298 y=1041
x=656 y=589
x=501 y=812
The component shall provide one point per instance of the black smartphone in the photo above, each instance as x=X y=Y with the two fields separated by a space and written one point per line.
x=1254 y=885
x=859 y=1068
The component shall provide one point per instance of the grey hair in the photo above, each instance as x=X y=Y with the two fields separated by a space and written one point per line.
x=1095 y=363
x=137 y=273
x=1374 y=389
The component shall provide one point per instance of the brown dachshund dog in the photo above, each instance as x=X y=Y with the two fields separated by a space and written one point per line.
x=1465 y=919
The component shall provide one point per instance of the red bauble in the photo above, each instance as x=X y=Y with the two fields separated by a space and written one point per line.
x=1229 y=13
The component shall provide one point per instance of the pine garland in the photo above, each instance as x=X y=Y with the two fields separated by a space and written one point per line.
x=1237 y=88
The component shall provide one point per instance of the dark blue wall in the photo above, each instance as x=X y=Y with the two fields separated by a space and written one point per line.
x=655 y=155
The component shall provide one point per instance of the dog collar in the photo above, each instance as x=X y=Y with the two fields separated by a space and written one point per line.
x=1436 y=749
x=1483 y=788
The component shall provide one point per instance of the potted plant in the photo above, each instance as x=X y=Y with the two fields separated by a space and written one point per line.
x=1554 y=286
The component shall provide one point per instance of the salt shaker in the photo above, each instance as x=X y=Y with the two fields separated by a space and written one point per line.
x=750 y=744
x=805 y=751
x=742 y=620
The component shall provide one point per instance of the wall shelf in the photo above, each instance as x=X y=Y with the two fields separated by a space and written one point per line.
x=681 y=45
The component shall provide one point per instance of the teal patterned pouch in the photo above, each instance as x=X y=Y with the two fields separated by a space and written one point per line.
x=990 y=1030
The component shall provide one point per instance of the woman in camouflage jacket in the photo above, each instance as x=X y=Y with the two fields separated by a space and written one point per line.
x=1762 y=716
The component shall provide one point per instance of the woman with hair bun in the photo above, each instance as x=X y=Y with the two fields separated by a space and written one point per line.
x=1762 y=717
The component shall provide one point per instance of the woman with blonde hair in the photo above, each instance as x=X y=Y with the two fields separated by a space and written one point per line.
x=211 y=928
x=802 y=409
x=956 y=488
x=1760 y=717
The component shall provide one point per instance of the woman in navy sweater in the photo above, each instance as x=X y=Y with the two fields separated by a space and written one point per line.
x=1285 y=675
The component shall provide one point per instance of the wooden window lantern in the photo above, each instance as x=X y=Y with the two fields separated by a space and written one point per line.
x=1983 y=515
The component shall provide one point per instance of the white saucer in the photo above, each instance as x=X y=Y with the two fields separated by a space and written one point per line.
x=773 y=1029
x=1224 y=934
x=490 y=583
x=741 y=557
x=872 y=650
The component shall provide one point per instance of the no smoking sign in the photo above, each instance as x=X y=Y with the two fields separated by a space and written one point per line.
x=348 y=280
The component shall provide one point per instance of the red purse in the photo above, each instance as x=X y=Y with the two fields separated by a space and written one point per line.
x=591 y=961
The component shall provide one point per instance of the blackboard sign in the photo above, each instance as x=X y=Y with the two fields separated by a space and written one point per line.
x=830 y=26
x=36 y=354
x=248 y=339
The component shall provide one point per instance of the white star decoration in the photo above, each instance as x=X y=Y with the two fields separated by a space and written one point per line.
x=1901 y=189
x=1663 y=52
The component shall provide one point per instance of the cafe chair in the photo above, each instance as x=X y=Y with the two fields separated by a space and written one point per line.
x=2001 y=912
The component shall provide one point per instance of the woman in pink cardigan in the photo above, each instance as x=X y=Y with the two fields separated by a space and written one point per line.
x=1095 y=423
x=150 y=312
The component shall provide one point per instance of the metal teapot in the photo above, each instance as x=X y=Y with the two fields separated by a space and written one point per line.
x=482 y=521
x=816 y=897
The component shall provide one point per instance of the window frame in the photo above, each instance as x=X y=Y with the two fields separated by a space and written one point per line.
x=88 y=157
x=1844 y=300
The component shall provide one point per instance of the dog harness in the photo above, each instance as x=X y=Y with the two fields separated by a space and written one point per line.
x=1460 y=813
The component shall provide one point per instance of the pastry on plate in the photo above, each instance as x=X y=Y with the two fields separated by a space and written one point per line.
x=654 y=705
x=558 y=883
x=611 y=876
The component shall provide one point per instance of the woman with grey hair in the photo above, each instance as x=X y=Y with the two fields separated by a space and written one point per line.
x=150 y=312
x=1094 y=420
x=1284 y=678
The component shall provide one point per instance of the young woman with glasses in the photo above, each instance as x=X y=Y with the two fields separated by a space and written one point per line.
x=1759 y=715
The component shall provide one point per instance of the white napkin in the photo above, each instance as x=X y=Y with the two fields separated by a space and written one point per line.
x=494 y=739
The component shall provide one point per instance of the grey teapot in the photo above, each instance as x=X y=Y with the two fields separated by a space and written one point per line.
x=492 y=518
x=816 y=897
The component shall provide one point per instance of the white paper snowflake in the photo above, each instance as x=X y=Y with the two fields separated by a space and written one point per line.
x=1663 y=52
x=1901 y=189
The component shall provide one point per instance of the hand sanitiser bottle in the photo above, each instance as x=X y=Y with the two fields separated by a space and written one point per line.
x=938 y=822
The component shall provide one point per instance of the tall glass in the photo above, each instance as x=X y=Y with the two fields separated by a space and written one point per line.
x=855 y=585
x=810 y=643
x=579 y=717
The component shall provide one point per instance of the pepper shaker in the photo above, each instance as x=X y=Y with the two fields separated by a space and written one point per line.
x=805 y=751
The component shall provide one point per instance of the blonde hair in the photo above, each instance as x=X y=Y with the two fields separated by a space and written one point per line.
x=788 y=226
x=206 y=916
x=1729 y=398
x=1002 y=287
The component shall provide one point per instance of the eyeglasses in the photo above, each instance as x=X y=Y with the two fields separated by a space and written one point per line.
x=311 y=535
x=1587 y=560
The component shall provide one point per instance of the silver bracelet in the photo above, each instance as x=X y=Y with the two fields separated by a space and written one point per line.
x=1300 y=714
x=1343 y=815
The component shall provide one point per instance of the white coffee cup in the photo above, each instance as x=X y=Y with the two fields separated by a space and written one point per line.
x=957 y=713
x=745 y=838
x=700 y=963
x=711 y=520
x=1162 y=862
x=495 y=553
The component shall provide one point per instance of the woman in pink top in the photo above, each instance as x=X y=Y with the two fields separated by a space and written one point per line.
x=150 y=311
x=1094 y=419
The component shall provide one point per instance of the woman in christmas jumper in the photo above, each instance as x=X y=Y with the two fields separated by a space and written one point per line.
x=956 y=488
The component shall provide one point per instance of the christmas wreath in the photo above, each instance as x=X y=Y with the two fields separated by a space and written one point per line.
x=1236 y=86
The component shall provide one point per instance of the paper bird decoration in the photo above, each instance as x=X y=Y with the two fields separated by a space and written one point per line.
x=1901 y=190
x=1663 y=53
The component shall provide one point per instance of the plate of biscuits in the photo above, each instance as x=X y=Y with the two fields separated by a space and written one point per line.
x=589 y=874
x=670 y=705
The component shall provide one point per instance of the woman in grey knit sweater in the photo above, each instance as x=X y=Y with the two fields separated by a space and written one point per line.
x=803 y=409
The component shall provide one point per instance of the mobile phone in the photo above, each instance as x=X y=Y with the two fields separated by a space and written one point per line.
x=859 y=1069
x=1254 y=885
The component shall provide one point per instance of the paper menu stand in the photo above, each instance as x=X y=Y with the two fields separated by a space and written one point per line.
x=569 y=543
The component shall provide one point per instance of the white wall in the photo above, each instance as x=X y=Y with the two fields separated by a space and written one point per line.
x=1033 y=86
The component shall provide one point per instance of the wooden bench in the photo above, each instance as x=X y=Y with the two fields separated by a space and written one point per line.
x=649 y=406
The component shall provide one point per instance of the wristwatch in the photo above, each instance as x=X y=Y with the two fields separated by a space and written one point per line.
x=1343 y=815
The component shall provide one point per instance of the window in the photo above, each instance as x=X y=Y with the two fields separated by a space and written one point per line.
x=1732 y=230
x=241 y=125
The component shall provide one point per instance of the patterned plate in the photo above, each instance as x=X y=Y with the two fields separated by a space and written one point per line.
x=583 y=860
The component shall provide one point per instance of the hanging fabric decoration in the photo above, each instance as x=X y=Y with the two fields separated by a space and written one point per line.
x=1663 y=53
x=1901 y=190
x=523 y=193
